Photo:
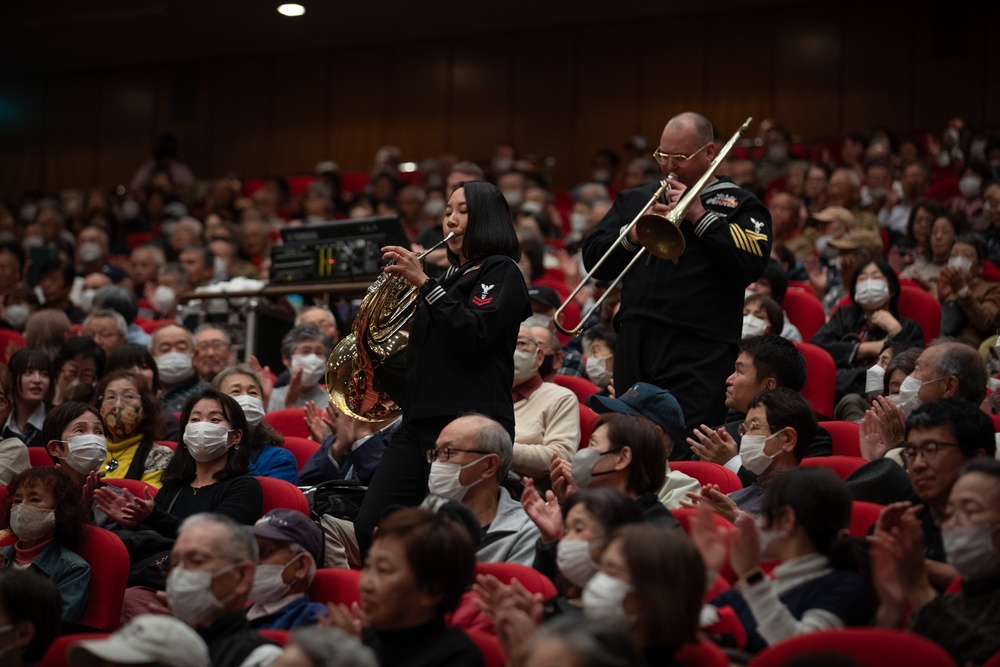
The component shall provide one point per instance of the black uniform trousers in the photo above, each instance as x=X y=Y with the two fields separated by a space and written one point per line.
x=692 y=368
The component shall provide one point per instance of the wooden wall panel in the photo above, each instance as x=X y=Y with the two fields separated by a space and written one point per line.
x=807 y=73
x=127 y=120
x=22 y=104
x=877 y=86
x=481 y=95
x=417 y=109
x=358 y=103
x=300 y=115
x=739 y=70
x=987 y=77
x=71 y=149
x=241 y=116
x=608 y=83
x=184 y=102
x=670 y=56
x=544 y=100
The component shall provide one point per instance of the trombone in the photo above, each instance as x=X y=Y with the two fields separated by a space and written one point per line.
x=665 y=241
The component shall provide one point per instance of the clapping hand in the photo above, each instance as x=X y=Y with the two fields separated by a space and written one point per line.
x=545 y=514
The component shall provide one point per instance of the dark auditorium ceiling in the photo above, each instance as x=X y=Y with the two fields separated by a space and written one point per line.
x=45 y=36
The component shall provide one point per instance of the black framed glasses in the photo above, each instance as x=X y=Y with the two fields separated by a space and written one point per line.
x=662 y=158
x=444 y=454
x=929 y=450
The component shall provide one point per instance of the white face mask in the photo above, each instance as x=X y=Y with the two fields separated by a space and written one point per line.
x=174 y=367
x=583 y=466
x=268 y=582
x=824 y=248
x=445 y=479
x=513 y=197
x=871 y=293
x=532 y=207
x=597 y=371
x=165 y=298
x=90 y=252
x=969 y=186
x=578 y=222
x=970 y=549
x=313 y=367
x=17 y=315
x=524 y=365
x=752 y=453
x=130 y=210
x=206 y=441
x=753 y=325
x=190 y=594
x=908 y=390
x=433 y=208
x=86 y=453
x=604 y=597
x=87 y=299
x=253 y=409
x=963 y=264
x=574 y=560
x=31 y=523
x=875 y=379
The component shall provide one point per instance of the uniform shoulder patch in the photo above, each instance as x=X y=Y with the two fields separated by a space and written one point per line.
x=724 y=200
x=484 y=297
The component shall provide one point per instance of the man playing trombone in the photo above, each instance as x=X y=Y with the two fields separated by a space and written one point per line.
x=680 y=319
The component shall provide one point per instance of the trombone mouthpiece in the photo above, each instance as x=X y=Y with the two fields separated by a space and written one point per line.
x=448 y=236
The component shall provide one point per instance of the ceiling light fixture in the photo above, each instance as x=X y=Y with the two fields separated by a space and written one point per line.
x=291 y=9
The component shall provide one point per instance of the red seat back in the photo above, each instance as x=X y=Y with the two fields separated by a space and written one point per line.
x=863 y=517
x=279 y=637
x=167 y=443
x=821 y=378
x=702 y=653
x=872 y=647
x=55 y=656
x=109 y=564
x=842 y=465
x=803 y=285
x=137 y=487
x=149 y=326
x=588 y=422
x=301 y=449
x=921 y=307
x=805 y=311
x=289 y=422
x=279 y=493
x=10 y=342
x=582 y=387
x=707 y=472
x=532 y=579
x=846 y=437
x=39 y=457
x=335 y=585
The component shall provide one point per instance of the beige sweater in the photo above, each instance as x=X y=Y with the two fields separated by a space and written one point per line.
x=546 y=423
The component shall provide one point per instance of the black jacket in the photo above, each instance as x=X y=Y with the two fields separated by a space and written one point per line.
x=701 y=291
x=460 y=357
x=230 y=640
x=428 y=645
x=822 y=445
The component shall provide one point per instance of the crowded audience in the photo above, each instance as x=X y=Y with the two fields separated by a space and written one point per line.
x=128 y=408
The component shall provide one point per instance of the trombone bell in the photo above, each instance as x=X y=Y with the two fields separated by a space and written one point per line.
x=660 y=236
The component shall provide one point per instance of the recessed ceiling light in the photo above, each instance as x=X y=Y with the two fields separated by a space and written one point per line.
x=291 y=9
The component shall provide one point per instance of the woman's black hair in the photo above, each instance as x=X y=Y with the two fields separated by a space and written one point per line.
x=932 y=207
x=27 y=596
x=81 y=346
x=822 y=507
x=489 y=230
x=151 y=424
x=890 y=277
x=71 y=515
x=59 y=417
x=127 y=357
x=182 y=467
x=611 y=508
x=904 y=361
x=28 y=359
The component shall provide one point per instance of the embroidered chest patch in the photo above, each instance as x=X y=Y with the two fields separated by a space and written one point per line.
x=724 y=200
x=484 y=297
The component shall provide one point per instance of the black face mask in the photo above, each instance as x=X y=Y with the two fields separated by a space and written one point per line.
x=546 y=366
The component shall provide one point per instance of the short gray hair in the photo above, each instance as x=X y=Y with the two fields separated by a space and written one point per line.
x=298 y=334
x=964 y=362
x=332 y=647
x=156 y=333
x=113 y=314
x=239 y=544
x=598 y=644
x=158 y=257
x=209 y=326
x=493 y=438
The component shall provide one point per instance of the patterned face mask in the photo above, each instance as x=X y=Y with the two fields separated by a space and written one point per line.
x=121 y=421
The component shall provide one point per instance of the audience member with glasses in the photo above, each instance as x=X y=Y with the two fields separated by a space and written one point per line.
x=775 y=436
x=132 y=424
x=941 y=437
x=681 y=319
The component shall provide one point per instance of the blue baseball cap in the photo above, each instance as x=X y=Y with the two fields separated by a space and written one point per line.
x=645 y=400
x=285 y=525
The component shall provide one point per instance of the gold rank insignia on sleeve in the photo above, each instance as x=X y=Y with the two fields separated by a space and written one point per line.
x=746 y=240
